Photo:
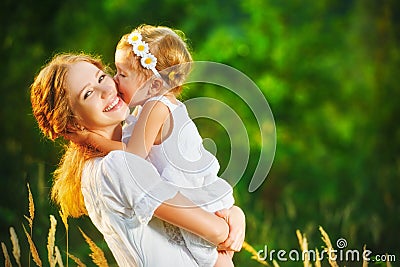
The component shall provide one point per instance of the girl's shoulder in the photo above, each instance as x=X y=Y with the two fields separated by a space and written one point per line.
x=156 y=108
x=169 y=101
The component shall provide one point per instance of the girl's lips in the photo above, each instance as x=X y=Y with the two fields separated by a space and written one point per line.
x=113 y=104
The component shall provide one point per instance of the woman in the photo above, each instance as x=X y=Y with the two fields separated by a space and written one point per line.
x=120 y=191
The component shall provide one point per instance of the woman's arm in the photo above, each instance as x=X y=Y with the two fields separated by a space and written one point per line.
x=134 y=179
x=183 y=213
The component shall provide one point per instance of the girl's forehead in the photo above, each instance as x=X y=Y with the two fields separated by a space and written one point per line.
x=124 y=60
x=121 y=55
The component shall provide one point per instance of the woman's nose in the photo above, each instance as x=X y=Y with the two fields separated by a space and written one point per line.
x=107 y=90
x=116 y=79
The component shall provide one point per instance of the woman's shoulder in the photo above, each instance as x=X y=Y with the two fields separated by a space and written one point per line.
x=120 y=163
x=114 y=166
x=94 y=164
x=118 y=178
x=116 y=156
x=125 y=182
x=121 y=170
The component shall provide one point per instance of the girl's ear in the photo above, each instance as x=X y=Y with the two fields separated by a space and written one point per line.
x=156 y=86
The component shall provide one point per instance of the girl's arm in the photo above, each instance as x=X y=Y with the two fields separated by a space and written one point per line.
x=99 y=142
x=103 y=144
x=147 y=130
x=181 y=212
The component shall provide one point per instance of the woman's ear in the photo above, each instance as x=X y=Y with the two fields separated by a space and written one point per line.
x=156 y=86
x=74 y=126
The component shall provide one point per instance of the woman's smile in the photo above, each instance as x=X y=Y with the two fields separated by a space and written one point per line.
x=115 y=104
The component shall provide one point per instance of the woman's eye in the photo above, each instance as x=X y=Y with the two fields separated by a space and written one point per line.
x=87 y=94
x=122 y=75
x=101 y=78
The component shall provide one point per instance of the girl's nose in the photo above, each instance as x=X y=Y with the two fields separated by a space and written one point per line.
x=116 y=78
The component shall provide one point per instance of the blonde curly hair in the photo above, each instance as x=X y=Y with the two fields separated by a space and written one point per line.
x=171 y=49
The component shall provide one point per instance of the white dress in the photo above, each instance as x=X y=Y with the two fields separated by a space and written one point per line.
x=121 y=192
x=182 y=160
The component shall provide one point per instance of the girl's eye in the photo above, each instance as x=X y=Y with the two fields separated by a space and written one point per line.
x=122 y=75
x=101 y=78
x=87 y=94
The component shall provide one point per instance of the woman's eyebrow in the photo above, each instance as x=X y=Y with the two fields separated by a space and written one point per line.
x=83 y=88
x=86 y=85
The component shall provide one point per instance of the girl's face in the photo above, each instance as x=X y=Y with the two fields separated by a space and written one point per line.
x=93 y=98
x=131 y=85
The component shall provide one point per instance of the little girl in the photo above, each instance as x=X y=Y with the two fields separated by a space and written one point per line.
x=152 y=64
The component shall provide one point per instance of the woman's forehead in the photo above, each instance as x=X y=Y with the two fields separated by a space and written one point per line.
x=80 y=74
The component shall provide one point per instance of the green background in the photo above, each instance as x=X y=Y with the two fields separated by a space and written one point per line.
x=329 y=70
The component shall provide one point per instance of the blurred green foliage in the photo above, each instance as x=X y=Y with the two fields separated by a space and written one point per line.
x=328 y=69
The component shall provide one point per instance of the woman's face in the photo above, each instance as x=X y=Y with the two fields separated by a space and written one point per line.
x=93 y=98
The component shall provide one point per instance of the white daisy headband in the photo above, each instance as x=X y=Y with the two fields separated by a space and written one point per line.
x=141 y=49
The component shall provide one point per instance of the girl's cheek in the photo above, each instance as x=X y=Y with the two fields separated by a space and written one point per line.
x=121 y=88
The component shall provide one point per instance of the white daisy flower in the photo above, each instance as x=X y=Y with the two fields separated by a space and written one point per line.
x=134 y=37
x=140 y=49
x=149 y=61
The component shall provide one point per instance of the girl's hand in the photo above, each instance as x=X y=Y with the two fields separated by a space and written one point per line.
x=78 y=137
x=95 y=140
x=236 y=221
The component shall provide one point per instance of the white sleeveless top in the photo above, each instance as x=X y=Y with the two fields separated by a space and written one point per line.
x=182 y=160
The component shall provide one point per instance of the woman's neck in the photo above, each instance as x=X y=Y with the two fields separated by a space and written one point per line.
x=117 y=133
x=112 y=133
